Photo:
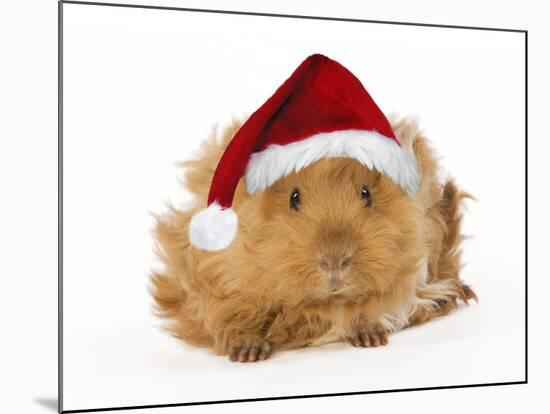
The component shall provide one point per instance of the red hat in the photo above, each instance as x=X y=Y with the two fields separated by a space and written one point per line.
x=321 y=111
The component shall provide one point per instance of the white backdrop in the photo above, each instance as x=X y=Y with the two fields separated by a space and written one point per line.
x=28 y=212
x=143 y=87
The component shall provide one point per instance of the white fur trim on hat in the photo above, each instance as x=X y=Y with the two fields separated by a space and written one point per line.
x=368 y=147
x=213 y=228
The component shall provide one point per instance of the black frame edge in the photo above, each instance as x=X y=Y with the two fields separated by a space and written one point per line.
x=526 y=115
x=292 y=16
x=292 y=397
x=60 y=206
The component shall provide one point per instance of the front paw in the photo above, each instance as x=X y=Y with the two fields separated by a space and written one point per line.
x=369 y=337
x=249 y=349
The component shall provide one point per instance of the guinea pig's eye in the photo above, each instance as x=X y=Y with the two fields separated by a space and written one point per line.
x=365 y=195
x=295 y=199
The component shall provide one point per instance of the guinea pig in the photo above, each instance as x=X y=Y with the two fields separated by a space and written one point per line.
x=335 y=251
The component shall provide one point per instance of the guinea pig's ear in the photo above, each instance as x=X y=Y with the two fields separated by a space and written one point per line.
x=406 y=130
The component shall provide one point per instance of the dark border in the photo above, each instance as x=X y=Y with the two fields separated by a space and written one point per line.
x=231 y=12
x=60 y=206
x=526 y=207
x=291 y=16
x=291 y=397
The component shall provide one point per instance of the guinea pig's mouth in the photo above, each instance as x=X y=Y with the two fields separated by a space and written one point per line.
x=337 y=298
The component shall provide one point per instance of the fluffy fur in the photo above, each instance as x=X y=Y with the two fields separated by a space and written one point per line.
x=336 y=269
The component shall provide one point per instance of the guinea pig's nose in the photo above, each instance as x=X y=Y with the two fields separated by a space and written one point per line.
x=336 y=284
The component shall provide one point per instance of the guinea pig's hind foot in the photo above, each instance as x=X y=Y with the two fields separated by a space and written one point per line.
x=369 y=337
x=463 y=292
x=249 y=350
x=467 y=294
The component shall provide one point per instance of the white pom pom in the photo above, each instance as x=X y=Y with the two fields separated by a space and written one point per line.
x=213 y=228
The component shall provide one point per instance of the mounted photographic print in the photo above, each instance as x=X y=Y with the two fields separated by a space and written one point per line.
x=260 y=206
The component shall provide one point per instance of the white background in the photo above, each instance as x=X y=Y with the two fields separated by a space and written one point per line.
x=30 y=240
x=143 y=87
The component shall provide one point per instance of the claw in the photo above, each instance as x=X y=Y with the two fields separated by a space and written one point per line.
x=358 y=341
x=369 y=340
x=243 y=355
x=264 y=352
x=253 y=354
x=257 y=351
x=365 y=340
x=468 y=294
x=234 y=354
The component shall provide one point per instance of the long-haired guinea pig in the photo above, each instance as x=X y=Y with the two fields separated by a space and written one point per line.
x=333 y=251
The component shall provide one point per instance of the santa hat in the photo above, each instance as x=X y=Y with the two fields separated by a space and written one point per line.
x=321 y=111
